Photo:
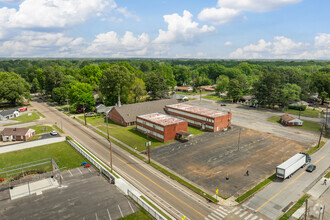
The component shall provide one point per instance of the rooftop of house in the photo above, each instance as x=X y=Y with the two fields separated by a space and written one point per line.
x=8 y=112
x=15 y=131
x=287 y=117
x=160 y=119
x=198 y=110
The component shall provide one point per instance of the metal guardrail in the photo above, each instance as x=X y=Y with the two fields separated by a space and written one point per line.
x=145 y=206
x=99 y=165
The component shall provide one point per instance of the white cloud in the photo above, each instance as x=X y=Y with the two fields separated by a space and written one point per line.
x=227 y=10
x=109 y=44
x=255 y=5
x=127 y=14
x=37 y=44
x=218 y=16
x=228 y=43
x=181 y=29
x=285 y=48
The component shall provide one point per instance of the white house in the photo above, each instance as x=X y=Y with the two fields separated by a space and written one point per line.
x=289 y=120
x=8 y=114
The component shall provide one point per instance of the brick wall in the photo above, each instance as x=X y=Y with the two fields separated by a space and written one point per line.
x=116 y=117
x=171 y=130
x=222 y=122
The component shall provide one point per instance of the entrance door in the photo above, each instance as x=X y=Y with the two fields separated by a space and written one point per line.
x=203 y=126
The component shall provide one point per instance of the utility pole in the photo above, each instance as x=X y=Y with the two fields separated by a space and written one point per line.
x=67 y=103
x=84 y=113
x=107 y=115
x=318 y=145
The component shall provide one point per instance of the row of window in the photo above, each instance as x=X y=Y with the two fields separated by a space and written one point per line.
x=150 y=125
x=150 y=132
x=209 y=127
x=190 y=115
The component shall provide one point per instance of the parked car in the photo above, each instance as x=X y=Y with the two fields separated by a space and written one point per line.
x=311 y=168
x=90 y=114
x=223 y=104
x=54 y=133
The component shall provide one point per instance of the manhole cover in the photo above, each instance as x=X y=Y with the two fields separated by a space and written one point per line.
x=278 y=207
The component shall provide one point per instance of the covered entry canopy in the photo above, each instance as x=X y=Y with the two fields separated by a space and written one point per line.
x=180 y=135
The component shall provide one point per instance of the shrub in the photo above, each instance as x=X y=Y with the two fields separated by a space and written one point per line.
x=298 y=107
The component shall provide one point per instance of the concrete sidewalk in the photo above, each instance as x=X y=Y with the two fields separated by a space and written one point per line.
x=319 y=188
x=36 y=187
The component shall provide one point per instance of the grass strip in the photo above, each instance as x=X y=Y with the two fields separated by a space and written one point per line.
x=327 y=175
x=155 y=207
x=255 y=189
x=36 y=137
x=39 y=113
x=140 y=215
x=185 y=183
x=57 y=128
x=316 y=148
x=294 y=208
x=69 y=138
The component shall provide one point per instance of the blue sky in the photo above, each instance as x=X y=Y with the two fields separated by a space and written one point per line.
x=217 y=29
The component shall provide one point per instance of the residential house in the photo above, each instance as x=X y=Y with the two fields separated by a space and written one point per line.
x=289 y=120
x=180 y=98
x=17 y=134
x=8 y=114
x=183 y=89
x=103 y=109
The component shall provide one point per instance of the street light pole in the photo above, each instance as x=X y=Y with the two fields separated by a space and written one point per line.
x=84 y=113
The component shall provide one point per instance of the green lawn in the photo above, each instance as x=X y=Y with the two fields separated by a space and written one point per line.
x=64 y=155
x=217 y=98
x=307 y=113
x=39 y=129
x=26 y=118
x=36 y=137
x=139 y=215
x=307 y=125
x=131 y=137
x=327 y=175
x=294 y=208
x=95 y=121
x=195 y=131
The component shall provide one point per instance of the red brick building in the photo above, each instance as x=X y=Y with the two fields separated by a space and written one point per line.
x=203 y=118
x=160 y=126
x=289 y=120
x=17 y=134
x=126 y=114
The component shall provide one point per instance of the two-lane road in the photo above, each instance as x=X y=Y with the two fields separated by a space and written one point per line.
x=174 y=198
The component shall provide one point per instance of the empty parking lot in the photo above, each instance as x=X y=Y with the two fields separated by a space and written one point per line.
x=220 y=160
x=84 y=195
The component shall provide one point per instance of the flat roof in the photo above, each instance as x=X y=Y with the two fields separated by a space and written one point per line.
x=291 y=161
x=161 y=119
x=198 y=110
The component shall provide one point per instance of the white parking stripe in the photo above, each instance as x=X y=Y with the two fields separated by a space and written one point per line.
x=120 y=212
x=62 y=177
x=109 y=214
x=255 y=217
x=96 y=216
x=221 y=212
x=89 y=169
x=222 y=215
x=70 y=172
x=79 y=170
x=244 y=213
x=247 y=217
x=130 y=206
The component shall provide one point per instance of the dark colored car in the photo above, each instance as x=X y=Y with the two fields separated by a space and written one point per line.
x=311 y=168
x=223 y=104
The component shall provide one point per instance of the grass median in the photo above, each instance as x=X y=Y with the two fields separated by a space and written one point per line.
x=256 y=188
x=57 y=128
x=156 y=208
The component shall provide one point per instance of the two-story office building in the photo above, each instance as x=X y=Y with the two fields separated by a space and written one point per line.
x=203 y=118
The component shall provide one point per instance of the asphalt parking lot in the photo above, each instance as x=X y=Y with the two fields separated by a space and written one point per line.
x=84 y=195
x=216 y=160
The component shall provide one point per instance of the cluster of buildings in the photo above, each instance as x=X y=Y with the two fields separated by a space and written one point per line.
x=11 y=113
x=167 y=119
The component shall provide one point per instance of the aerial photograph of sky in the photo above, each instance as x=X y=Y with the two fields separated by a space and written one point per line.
x=209 y=29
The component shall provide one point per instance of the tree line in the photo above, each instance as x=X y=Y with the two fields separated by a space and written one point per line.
x=78 y=81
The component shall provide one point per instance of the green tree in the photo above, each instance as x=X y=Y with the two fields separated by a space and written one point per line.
x=234 y=90
x=59 y=94
x=137 y=90
x=82 y=93
x=90 y=74
x=115 y=80
x=289 y=93
x=35 y=87
x=13 y=87
x=54 y=77
x=156 y=85
x=222 y=84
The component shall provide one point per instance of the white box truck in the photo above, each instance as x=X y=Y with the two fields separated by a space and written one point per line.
x=287 y=168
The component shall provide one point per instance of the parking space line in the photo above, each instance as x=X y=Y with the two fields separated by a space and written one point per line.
x=79 y=170
x=130 y=206
x=109 y=214
x=120 y=212
x=96 y=216
x=89 y=169
x=62 y=177
x=70 y=172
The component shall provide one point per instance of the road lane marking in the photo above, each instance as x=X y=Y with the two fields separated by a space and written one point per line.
x=255 y=217
x=218 y=213
x=160 y=187
x=120 y=211
x=285 y=187
x=233 y=210
x=236 y=213
x=244 y=213
x=249 y=216
x=109 y=214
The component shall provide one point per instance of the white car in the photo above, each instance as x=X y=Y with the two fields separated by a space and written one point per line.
x=53 y=133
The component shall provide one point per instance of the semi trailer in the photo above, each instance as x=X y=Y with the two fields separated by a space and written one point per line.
x=289 y=167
